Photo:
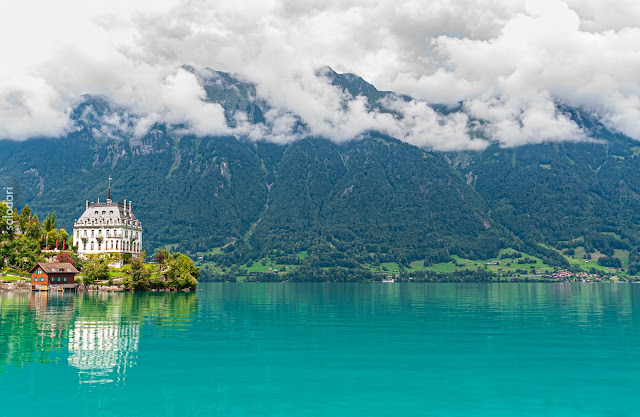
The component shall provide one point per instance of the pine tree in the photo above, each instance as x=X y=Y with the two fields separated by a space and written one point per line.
x=47 y=224
x=33 y=228
x=23 y=219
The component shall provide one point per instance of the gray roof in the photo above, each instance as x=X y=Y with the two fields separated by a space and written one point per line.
x=58 y=268
x=112 y=211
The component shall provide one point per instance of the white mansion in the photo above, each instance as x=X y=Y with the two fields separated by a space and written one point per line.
x=108 y=228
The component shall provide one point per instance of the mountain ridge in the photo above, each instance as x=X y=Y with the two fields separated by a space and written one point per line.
x=372 y=198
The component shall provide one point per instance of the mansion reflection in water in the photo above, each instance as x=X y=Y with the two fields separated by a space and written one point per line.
x=100 y=331
x=103 y=350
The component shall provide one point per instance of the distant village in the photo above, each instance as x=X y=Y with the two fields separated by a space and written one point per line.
x=583 y=277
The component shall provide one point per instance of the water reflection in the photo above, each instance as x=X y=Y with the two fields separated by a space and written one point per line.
x=99 y=333
x=578 y=302
x=103 y=350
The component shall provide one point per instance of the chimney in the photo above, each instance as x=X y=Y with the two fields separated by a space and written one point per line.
x=87 y=206
x=125 y=206
x=130 y=212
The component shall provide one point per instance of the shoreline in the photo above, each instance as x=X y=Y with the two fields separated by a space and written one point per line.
x=26 y=286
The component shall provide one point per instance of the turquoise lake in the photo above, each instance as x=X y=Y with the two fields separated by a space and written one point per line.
x=441 y=349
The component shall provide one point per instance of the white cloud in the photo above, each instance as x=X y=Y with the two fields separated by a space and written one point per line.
x=182 y=101
x=541 y=54
x=420 y=125
x=515 y=122
x=30 y=107
x=507 y=60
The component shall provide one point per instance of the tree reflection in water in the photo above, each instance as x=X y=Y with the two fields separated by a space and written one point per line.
x=101 y=331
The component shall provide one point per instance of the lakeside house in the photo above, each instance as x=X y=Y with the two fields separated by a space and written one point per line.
x=53 y=276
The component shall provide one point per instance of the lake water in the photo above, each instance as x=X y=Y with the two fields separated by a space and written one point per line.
x=325 y=350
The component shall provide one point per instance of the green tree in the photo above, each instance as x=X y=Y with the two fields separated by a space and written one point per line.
x=6 y=227
x=138 y=277
x=97 y=269
x=20 y=252
x=23 y=219
x=610 y=262
x=63 y=236
x=33 y=229
x=182 y=273
x=46 y=224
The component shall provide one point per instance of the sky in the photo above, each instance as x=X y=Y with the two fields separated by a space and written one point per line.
x=509 y=62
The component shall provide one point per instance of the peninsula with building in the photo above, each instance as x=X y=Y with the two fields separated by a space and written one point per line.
x=103 y=252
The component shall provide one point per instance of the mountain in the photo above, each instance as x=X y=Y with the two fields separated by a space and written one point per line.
x=375 y=199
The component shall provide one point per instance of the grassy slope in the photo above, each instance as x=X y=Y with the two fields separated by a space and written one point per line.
x=507 y=266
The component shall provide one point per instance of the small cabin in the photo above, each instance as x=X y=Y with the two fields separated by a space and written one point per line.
x=53 y=276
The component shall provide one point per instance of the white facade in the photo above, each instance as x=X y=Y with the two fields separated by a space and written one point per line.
x=108 y=228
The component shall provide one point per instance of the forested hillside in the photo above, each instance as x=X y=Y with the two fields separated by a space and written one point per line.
x=370 y=200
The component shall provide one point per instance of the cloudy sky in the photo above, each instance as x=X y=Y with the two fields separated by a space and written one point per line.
x=507 y=61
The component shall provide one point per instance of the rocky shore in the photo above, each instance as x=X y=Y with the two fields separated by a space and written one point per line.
x=119 y=288
x=26 y=286
x=15 y=286
x=103 y=288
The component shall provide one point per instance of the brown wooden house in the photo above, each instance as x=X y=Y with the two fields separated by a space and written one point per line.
x=53 y=276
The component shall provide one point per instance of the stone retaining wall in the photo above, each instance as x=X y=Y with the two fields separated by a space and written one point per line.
x=26 y=286
x=104 y=288
x=16 y=286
